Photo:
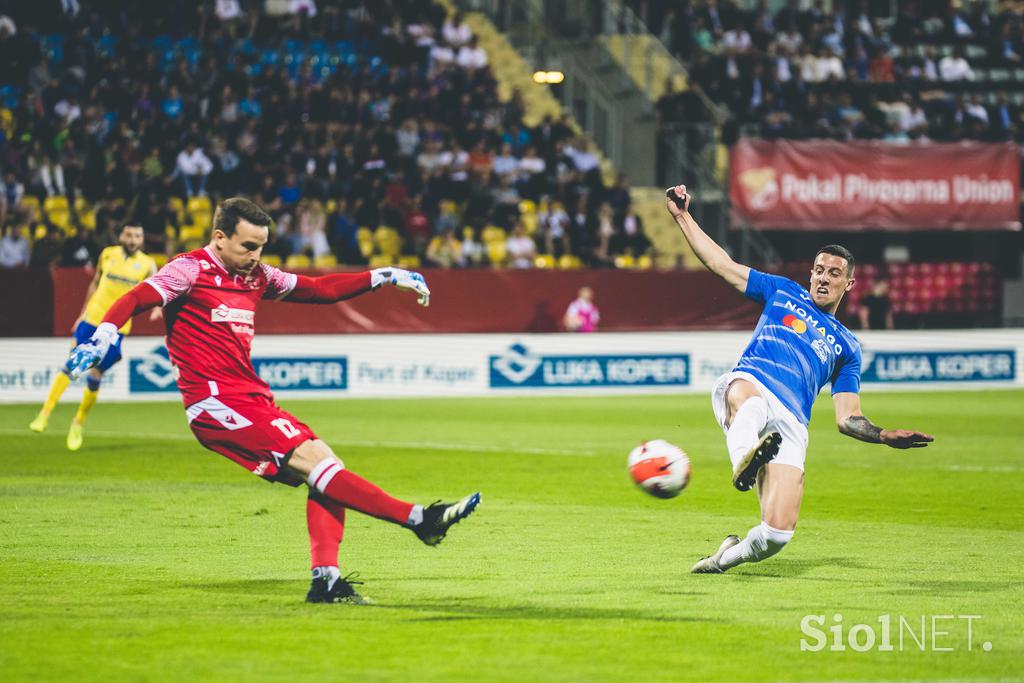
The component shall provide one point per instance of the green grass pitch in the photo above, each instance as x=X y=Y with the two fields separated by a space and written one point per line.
x=145 y=557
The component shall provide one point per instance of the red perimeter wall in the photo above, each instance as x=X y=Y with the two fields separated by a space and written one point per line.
x=485 y=301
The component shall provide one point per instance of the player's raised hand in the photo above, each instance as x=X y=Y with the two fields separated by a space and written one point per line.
x=403 y=279
x=677 y=199
x=904 y=438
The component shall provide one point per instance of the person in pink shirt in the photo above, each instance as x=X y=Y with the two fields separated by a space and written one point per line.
x=582 y=315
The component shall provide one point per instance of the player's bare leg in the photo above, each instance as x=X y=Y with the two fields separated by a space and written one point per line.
x=333 y=488
x=92 y=390
x=780 y=489
x=751 y=455
x=746 y=418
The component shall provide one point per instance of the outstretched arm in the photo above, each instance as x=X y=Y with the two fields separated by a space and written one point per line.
x=852 y=422
x=340 y=286
x=711 y=255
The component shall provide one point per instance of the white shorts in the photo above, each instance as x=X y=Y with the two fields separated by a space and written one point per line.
x=793 y=450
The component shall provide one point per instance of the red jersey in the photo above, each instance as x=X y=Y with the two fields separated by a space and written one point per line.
x=211 y=319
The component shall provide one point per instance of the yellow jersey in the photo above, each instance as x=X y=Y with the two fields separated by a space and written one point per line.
x=118 y=273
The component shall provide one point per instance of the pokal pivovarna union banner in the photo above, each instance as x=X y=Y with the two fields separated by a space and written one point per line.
x=782 y=185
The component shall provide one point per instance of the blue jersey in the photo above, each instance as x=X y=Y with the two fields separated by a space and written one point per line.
x=797 y=348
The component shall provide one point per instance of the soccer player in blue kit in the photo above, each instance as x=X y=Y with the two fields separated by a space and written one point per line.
x=764 y=404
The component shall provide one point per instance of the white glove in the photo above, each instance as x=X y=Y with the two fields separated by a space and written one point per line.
x=87 y=355
x=403 y=279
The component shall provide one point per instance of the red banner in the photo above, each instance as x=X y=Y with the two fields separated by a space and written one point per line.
x=481 y=301
x=780 y=185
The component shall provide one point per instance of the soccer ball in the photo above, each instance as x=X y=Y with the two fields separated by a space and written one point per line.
x=658 y=467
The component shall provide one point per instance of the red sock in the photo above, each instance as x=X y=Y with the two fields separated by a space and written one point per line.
x=352 y=491
x=326 y=522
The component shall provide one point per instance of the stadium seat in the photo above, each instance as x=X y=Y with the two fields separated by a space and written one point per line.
x=380 y=261
x=297 y=261
x=493 y=233
x=56 y=203
x=496 y=252
x=271 y=260
x=569 y=262
x=644 y=262
x=159 y=259
x=388 y=241
x=409 y=262
x=199 y=205
x=178 y=207
x=625 y=261
x=546 y=261
x=325 y=261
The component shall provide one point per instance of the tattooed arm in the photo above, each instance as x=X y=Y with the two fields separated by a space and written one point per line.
x=852 y=422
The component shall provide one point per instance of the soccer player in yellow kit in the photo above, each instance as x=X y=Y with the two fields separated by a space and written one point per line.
x=120 y=268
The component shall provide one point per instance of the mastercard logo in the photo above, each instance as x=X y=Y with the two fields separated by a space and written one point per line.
x=796 y=323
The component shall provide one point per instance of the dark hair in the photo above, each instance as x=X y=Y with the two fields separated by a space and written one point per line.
x=842 y=252
x=131 y=224
x=232 y=210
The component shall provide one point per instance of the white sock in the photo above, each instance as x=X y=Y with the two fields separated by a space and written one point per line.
x=745 y=430
x=415 y=516
x=761 y=542
x=331 y=573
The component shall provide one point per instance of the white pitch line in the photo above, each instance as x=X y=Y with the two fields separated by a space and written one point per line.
x=406 y=445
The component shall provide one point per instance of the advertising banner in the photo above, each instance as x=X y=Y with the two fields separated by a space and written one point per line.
x=434 y=365
x=782 y=184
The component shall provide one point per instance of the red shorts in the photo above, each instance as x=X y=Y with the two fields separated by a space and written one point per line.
x=251 y=430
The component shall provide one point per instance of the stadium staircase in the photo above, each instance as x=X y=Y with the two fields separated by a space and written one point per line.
x=512 y=72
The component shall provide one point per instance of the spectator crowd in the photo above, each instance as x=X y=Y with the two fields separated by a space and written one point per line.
x=938 y=69
x=368 y=129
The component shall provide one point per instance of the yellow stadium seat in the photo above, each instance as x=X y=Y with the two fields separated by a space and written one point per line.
x=493 y=233
x=644 y=262
x=199 y=205
x=81 y=205
x=530 y=222
x=388 y=241
x=625 y=261
x=178 y=207
x=297 y=261
x=569 y=262
x=331 y=206
x=497 y=253
x=544 y=261
x=29 y=201
x=171 y=232
x=39 y=233
x=326 y=261
x=409 y=262
x=192 y=232
x=160 y=259
x=381 y=261
x=62 y=219
x=271 y=260
x=88 y=219
x=527 y=206
x=58 y=203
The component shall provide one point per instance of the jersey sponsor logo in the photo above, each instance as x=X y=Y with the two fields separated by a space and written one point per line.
x=813 y=321
x=820 y=347
x=794 y=323
x=223 y=314
x=519 y=367
x=939 y=366
x=154 y=373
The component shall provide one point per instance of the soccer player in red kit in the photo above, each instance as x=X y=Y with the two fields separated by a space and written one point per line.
x=209 y=298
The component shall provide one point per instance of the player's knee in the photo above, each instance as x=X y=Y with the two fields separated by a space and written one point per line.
x=307 y=457
x=769 y=541
x=93 y=381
